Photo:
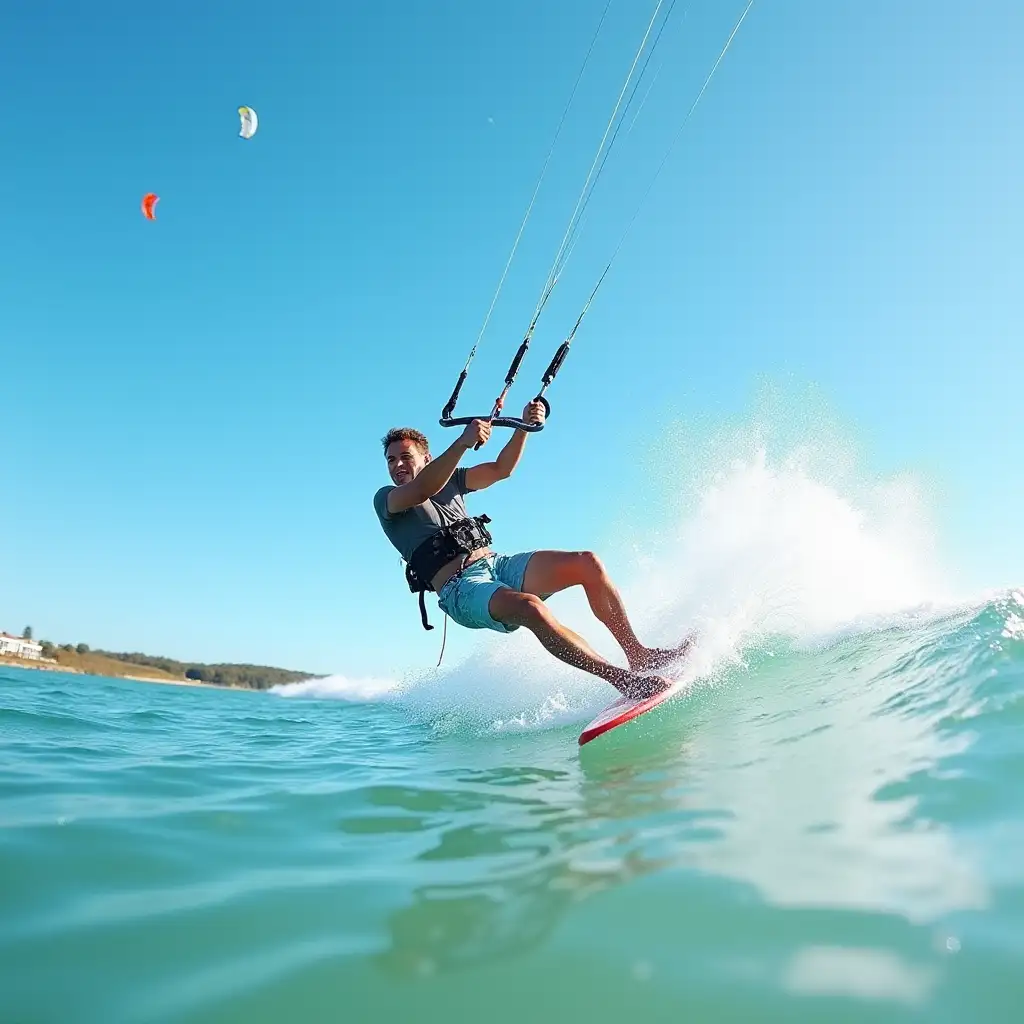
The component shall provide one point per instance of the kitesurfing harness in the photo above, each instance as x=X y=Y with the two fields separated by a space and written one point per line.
x=462 y=537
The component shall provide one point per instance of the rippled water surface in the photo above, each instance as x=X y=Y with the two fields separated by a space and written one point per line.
x=833 y=834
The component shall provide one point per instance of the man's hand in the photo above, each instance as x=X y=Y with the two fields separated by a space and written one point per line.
x=535 y=412
x=476 y=433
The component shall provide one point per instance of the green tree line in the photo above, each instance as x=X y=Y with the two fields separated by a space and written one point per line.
x=256 y=677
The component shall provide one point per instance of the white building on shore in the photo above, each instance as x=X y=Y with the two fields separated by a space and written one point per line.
x=20 y=647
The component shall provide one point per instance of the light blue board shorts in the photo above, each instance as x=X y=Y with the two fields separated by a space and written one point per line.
x=466 y=596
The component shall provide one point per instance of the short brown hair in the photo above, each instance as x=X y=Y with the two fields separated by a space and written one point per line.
x=406 y=434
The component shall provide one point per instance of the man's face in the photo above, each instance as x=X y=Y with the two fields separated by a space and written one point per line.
x=405 y=460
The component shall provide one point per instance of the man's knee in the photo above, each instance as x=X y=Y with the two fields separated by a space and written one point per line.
x=591 y=568
x=516 y=608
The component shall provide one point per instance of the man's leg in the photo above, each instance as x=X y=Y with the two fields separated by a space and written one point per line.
x=549 y=572
x=514 y=608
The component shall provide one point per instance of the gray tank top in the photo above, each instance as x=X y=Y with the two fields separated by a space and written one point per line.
x=409 y=529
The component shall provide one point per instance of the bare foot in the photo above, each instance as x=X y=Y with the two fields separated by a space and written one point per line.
x=652 y=658
x=637 y=687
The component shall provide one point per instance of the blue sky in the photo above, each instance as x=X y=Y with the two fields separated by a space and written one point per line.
x=192 y=407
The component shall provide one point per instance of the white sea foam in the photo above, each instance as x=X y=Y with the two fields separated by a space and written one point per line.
x=757 y=546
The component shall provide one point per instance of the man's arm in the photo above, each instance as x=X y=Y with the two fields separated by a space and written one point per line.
x=436 y=473
x=487 y=473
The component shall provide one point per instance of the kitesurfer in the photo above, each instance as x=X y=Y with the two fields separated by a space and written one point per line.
x=423 y=513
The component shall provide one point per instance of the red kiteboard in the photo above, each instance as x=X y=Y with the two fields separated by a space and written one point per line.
x=625 y=710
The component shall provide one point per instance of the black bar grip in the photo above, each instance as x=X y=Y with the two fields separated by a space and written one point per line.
x=556 y=364
x=498 y=421
x=450 y=407
x=517 y=361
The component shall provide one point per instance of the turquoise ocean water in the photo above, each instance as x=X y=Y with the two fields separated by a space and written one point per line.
x=827 y=826
x=832 y=831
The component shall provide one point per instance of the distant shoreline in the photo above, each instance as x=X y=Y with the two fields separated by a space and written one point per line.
x=46 y=666
x=81 y=659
